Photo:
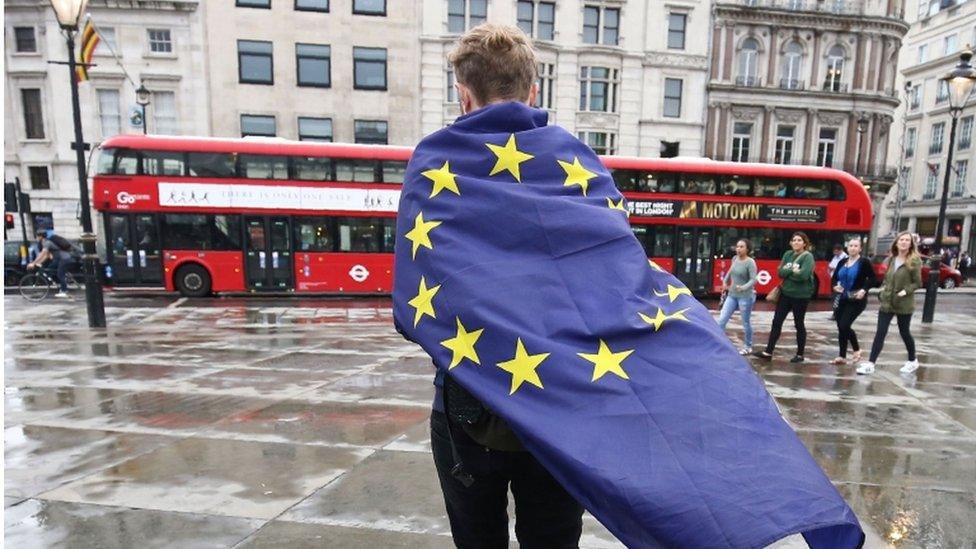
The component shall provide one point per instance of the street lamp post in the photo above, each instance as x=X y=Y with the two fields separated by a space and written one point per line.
x=69 y=13
x=142 y=98
x=960 y=81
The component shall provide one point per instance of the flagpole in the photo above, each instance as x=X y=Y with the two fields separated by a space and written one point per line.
x=108 y=44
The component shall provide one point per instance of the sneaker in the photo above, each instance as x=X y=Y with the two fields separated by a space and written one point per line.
x=61 y=294
x=745 y=351
x=865 y=368
x=796 y=359
x=909 y=367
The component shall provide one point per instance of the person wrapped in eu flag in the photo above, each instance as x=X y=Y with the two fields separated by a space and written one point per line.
x=516 y=270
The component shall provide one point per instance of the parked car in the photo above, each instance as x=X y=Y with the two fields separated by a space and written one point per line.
x=12 y=269
x=948 y=277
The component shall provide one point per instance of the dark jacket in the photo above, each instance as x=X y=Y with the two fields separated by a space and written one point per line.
x=865 y=279
x=908 y=277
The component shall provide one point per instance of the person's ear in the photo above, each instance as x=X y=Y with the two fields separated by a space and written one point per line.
x=533 y=93
x=465 y=98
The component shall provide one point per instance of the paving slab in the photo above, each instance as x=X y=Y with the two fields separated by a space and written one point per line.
x=279 y=534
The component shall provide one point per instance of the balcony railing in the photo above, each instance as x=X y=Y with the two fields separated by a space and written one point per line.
x=839 y=7
x=748 y=81
x=791 y=84
x=835 y=86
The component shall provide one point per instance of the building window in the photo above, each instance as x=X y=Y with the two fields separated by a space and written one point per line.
x=369 y=7
x=911 y=137
x=965 y=132
x=42 y=221
x=931 y=180
x=24 y=40
x=544 y=12
x=465 y=14
x=600 y=142
x=598 y=89
x=160 y=41
x=369 y=68
x=676 y=30
x=312 y=5
x=792 y=67
x=314 y=65
x=164 y=113
x=106 y=43
x=935 y=145
x=255 y=62
x=748 y=63
x=672 y=97
x=826 y=146
x=39 y=178
x=915 y=97
x=951 y=44
x=254 y=124
x=314 y=129
x=941 y=92
x=451 y=94
x=601 y=25
x=959 y=185
x=741 y=137
x=547 y=85
x=903 y=183
x=923 y=53
x=371 y=131
x=108 y=112
x=33 y=116
x=784 y=144
x=835 y=70
x=254 y=4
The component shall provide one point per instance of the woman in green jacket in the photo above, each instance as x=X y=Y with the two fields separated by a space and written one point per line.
x=903 y=277
x=796 y=289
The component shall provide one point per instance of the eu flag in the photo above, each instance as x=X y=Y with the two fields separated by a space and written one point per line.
x=517 y=271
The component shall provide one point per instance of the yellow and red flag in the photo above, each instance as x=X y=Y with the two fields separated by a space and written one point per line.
x=89 y=41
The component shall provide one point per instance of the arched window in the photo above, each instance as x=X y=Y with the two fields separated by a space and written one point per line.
x=748 y=63
x=792 y=60
x=835 y=69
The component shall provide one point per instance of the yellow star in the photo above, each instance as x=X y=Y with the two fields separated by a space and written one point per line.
x=576 y=174
x=522 y=367
x=617 y=205
x=443 y=179
x=509 y=158
x=660 y=318
x=424 y=301
x=607 y=361
x=462 y=345
x=655 y=266
x=420 y=234
x=673 y=292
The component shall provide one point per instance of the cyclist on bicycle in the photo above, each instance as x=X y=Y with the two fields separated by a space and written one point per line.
x=59 y=250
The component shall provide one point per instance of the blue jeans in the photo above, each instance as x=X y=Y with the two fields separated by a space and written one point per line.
x=744 y=305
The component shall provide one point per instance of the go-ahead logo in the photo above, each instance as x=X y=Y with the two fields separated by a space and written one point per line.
x=124 y=198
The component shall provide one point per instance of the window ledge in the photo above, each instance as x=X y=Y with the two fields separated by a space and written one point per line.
x=26 y=54
x=151 y=55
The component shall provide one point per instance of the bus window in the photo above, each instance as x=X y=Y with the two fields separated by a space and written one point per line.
x=642 y=232
x=227 y=232
x=356 y=170
x=389 y=234
x=737 y=186
x=263 y=166
x=727 y=239
x=106 y=160
x=126 y=162
x=314 y=234
x=162 y=163
x=770 y=187
x=818 y=190
x=312 y=168
x=625 y=180
x=358 y=234
x=666 y=182
x=837 y=191
x=770 y=243
x=212 y=164
x=663 y=241
x=185 y=232
x=697 y=184
x=393 y=171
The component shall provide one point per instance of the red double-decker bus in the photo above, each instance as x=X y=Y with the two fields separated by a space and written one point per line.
x=202 y=215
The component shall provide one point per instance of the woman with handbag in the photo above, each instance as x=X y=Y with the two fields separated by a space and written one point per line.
x=739 y=284
x=792 y=295
x=897 y=295
x=851 y=281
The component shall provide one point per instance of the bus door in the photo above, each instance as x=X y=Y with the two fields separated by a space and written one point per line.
x=133 y=249
x=694 y=255
x=268 y=258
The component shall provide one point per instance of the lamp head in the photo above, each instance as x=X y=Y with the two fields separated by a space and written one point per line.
x=960 y=82
x=142 y=95
x=69 y=12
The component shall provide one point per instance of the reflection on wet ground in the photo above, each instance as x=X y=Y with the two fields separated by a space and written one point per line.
x=248 y=422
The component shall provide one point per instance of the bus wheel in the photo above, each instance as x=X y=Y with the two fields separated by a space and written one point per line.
x=192 y=281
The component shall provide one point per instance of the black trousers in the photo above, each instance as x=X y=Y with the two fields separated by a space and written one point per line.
x=847 y=312
x=784 y=306
x=884 y=321
x=545 y=514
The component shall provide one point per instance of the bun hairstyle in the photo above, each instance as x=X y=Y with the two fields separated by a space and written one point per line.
x=495 y=62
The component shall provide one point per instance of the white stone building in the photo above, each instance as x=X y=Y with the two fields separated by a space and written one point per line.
x=939 y=31
x=159 y=44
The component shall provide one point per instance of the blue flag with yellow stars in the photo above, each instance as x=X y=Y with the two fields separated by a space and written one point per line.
x=517 y=271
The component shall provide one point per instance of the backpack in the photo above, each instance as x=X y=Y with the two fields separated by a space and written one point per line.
x=62 y=243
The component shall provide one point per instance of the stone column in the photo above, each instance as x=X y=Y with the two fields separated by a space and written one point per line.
x=875 y=138
x=727 y=54
x=872 y=80
x=716 y=51
x=723 y=130
x=773 y=55
x=883 y=66
x=809 y=143
x=851 y=157
x=710 y=131
x=767 y=115
x=858 y=81
x=815 y=62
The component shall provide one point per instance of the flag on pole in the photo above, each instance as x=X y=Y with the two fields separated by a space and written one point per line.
x=89 y=41
x=518 y=273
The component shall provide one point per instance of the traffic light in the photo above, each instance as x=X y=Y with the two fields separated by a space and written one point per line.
x=955 y=228
x=25 y=203
x=9 y=197
x=8 y=220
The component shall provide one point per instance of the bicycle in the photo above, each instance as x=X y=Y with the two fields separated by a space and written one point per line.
x=37 y=285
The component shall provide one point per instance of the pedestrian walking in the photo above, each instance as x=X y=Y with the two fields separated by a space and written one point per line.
x=965 y=263
x=838 y=256
x=795 y=290
x=740 y=284
x=851 y=282
x=903 y=277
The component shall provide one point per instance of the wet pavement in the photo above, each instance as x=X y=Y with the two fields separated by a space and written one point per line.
x=247 y=422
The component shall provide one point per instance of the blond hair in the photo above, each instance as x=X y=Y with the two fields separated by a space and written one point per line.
x=495 y=62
